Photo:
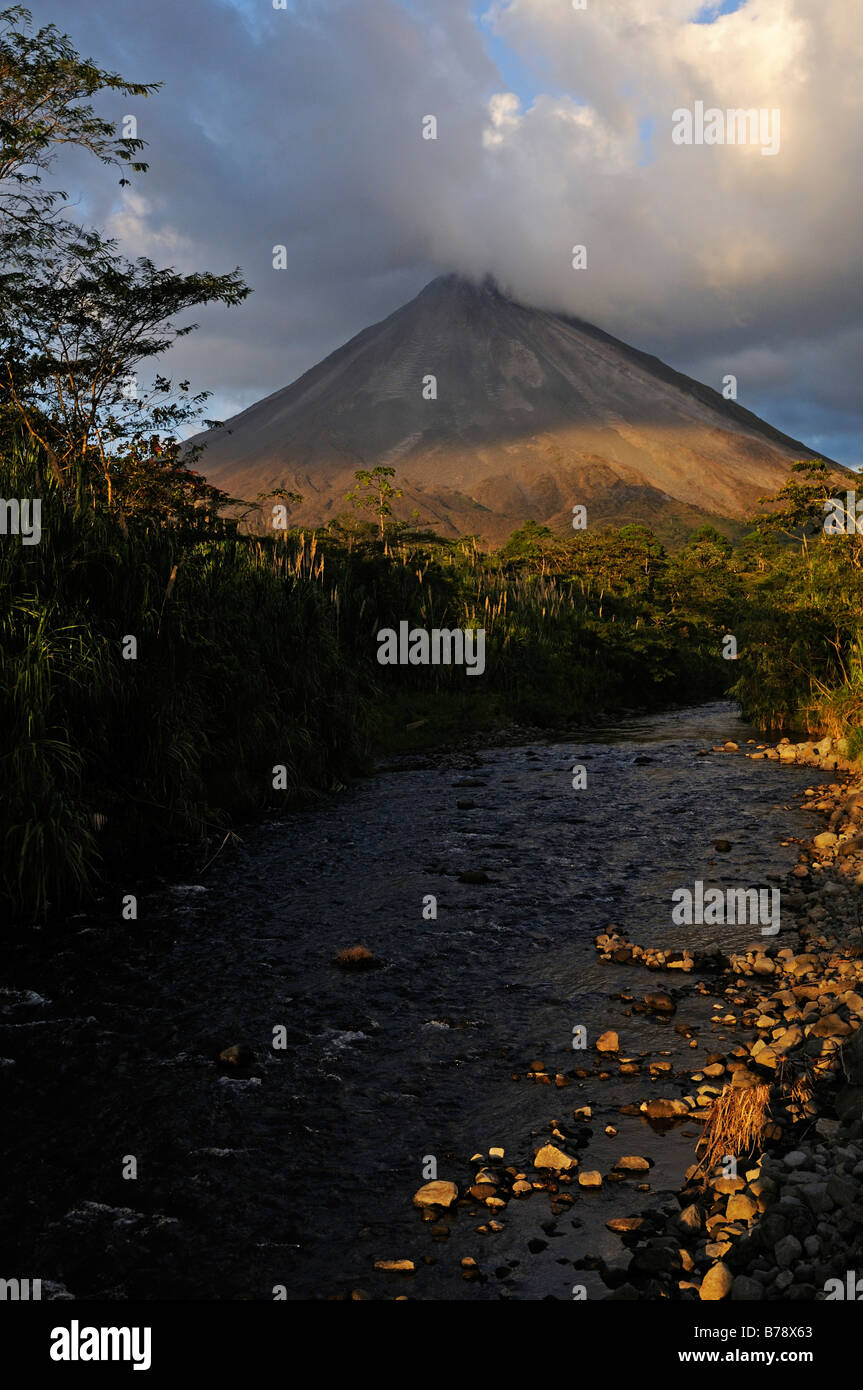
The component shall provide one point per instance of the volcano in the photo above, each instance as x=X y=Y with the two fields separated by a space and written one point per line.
x=492 y=412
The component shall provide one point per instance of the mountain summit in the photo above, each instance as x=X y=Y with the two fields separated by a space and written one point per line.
x=492 y=412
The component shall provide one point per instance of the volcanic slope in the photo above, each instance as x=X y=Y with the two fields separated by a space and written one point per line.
x=531 y=413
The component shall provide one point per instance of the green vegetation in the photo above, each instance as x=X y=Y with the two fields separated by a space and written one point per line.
x=801 y=629
x=258 y=652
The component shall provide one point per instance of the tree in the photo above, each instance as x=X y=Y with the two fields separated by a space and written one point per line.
x=75 y=325
x=802 y=497
x=708 y=548
x=77 y=320
x=374 y=492
x=45 y=91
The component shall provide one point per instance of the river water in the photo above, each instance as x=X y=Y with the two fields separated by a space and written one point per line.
x=298 y=1171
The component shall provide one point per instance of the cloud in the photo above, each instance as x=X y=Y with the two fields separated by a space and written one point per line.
x=303 y=127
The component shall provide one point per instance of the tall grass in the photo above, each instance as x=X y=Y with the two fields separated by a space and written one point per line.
x=256 y=652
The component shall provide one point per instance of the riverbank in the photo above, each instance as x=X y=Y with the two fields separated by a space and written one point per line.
x=772 y=1206
x=785 y=1221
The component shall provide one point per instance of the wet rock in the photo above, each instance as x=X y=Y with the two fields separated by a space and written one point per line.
x=660 y=1003
x=665 y=1109
x=396 y=1266
x=632 y=1163
x=608 y=1042
x=436 y=1194
x=622 y=1225
x=237 y=1055
x=592 y=1179
x=660 y=1256
x=551 y=1157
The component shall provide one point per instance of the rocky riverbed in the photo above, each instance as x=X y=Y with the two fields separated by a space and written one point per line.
x=544 y=1042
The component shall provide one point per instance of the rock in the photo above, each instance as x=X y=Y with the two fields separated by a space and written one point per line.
x=237 y=1055
x=665 y=1109
x=746 y=1290
x=396 y=1266
x=796 y=1159
x=841 y=1190
x=495 y=1153
x=740 y=1207
x=631 y=1163
x=658 y=1257
x=481 y=1190
x=608 y=1042
x=723 y=846
x=689 y=1220
x=437 y=1194
x=550 y=1157
x=816 y=1197
x=826 y=840
x=356 y=958
x=743 y=1078
x=592 y=1179
x=522 y=1188
x=831 y=1026
x=716 y=1284
x=727 y=1185
x=660 y=1003
x=622 y=1225
x=787 y=1251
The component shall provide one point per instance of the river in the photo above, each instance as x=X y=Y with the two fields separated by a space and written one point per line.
x=298 y=1171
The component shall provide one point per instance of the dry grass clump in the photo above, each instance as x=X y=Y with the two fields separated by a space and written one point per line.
x=737 y=1124
x=356 y=958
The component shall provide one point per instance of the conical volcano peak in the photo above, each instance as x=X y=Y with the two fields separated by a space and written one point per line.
x=454 y=286
x=492 y=412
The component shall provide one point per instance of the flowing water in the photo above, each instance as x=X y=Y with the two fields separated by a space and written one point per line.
x=299 y=1170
